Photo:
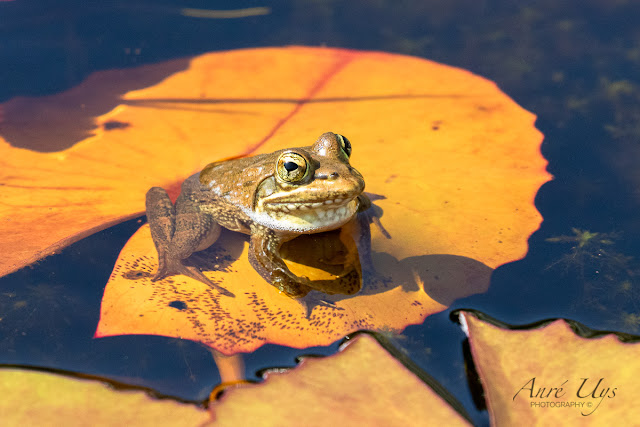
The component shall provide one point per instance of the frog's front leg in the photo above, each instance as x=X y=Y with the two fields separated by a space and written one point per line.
x=363 y=219
x=264 y=256
x=177 y=232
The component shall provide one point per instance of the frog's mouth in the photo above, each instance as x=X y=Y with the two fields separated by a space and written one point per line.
x=308 y=216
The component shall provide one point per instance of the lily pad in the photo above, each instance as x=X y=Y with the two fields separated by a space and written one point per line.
x=457 y=160
x=44 y=399
x=550 y=375
x=363 y=385
x=455 y=164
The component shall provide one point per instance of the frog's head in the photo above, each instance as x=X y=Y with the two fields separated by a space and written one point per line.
x=312 y=188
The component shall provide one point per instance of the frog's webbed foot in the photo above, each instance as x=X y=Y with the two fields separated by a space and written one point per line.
x=170 y=267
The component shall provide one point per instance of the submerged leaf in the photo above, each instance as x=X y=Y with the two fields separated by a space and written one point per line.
x=551 y=376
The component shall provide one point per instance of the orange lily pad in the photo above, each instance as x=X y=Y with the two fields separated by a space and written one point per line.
x=551 y=376
x=51 y=199
x=39 y=398
x=458 y=160
x=361 y=385
x=457 y=164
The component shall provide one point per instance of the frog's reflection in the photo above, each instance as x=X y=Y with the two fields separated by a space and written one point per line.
x=339 y=262
x=330 y=260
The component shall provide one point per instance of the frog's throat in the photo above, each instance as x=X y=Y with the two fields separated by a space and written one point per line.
x=305 y=217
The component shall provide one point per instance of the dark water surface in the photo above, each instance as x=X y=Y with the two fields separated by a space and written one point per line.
x=575 y=67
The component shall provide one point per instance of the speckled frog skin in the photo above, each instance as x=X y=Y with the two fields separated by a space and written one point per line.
x=272 y=197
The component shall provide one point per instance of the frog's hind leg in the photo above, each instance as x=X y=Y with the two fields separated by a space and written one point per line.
x=178 y=231
x=161 y=214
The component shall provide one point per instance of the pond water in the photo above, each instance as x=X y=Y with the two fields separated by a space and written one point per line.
x=574 y=67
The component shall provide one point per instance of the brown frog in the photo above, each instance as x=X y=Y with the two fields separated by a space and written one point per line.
x=272 y=197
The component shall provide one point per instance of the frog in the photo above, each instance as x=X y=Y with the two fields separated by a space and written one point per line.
x=272 y=197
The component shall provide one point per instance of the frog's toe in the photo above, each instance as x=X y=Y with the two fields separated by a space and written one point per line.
x=162 y=272
x=159 y=276
x=177 y=267
x=290 y=287
x=317 y=299
x=195 y=273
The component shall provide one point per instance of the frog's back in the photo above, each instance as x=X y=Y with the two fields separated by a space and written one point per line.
x=234 y=182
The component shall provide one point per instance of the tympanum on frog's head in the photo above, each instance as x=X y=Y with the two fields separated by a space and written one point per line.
x=312 y=188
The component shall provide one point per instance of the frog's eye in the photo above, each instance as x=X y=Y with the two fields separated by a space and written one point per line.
x=292 y=167
x=344 y=144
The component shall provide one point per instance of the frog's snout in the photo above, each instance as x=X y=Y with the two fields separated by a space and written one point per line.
x=345 y=179
x=329 y=176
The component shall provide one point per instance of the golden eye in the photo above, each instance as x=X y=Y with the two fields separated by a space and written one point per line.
x=344 y=144
x=292 y=167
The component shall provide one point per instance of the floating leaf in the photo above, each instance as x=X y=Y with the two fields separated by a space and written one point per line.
x=49 y=200
x=456 y=159
x=361 y=385
x=43 y=399
x=551 y=376
x=466 y=199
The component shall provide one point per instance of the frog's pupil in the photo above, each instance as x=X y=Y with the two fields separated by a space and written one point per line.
x=290 y=166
